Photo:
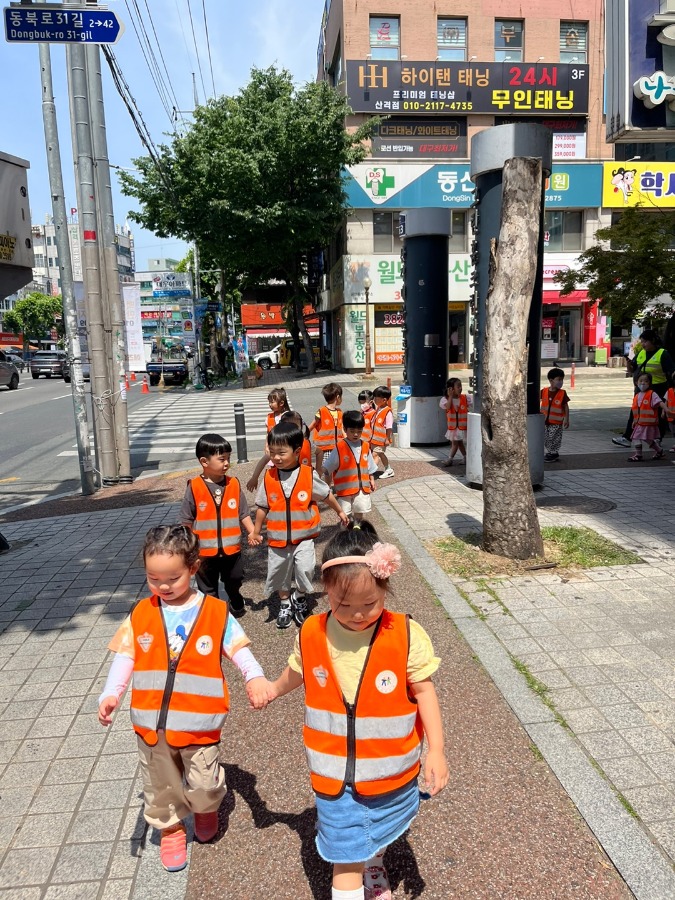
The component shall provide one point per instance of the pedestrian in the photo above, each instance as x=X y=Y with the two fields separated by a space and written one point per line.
x=369 y=704
x=669 y=400
x=215 y=508
x=352 y=467
x=645 y=411
x=327 y=424
x=456 y=406
x=555 y=407
x=278 y=401
x=383 y=428
x=454 y=345
x=288 y=500
x=264 y=461
x=365 y=399
x=653 y=359
x=172 y=642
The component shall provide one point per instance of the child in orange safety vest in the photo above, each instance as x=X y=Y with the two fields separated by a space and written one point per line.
x=352 y=467
x=216 y=509
x=327 y=424
x=369 y=704
x=365 y=399
x=264 y=461
x=172 y=643
x=669 y=401
x=288 y=501
x=383 y=429
x=646 y=405
x=456 y=406
x=278 y=401
x=556 y=410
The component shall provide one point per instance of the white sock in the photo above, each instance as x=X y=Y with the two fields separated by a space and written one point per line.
x=356 y=894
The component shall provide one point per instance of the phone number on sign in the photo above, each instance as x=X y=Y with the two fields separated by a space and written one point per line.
x=437 y=105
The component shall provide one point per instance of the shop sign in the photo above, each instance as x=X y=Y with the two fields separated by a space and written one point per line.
x=420 y=138
x=389 y=86
x=637 y=183
x=384 y=271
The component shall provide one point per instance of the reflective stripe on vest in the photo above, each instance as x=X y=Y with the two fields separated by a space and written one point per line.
x=456 y=417
x=552 y=407
x=295 y=518
x=186 y=698
x=351 y=476
x=379 y=438
x=329 y=430
x=643 y=411
x=375 y=743
x=651 y=366
x=368 y=415
x=213 y=540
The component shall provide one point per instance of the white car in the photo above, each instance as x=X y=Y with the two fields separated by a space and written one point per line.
x=268 y=358
x=9 y=375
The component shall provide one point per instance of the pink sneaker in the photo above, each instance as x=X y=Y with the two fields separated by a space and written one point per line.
x=376 y=883
x=206 y=826
x=173 y=848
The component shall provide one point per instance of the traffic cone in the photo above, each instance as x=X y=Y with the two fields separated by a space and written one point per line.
x=133 y=376
x=145 y=389
x=126 y=382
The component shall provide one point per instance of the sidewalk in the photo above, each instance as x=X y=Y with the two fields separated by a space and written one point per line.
x=504 y=827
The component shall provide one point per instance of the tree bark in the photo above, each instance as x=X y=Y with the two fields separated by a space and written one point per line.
x=510 y=522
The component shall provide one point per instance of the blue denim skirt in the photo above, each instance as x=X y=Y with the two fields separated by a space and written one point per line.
x=353 y=829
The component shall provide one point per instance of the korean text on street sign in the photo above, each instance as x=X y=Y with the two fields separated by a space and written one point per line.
x=62 y=25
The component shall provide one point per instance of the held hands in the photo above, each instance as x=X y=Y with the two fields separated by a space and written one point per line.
x=435 y=772
x=260 y=692
x=344 y=519
x=106 y=707
x=254 y=539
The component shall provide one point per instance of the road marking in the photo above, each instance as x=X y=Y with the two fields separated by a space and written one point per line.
x=62 y=396
x=6 y=480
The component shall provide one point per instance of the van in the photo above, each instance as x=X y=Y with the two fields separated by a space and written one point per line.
x=287 y=356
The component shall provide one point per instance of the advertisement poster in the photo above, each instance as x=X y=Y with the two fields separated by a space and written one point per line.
x=133 y=329
x=240 y=347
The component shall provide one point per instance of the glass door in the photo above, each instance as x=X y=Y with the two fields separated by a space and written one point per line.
x=569 y=334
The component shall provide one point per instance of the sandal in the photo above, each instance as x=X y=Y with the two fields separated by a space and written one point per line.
x=447 y=464
x=635 y=458
x=659 y=454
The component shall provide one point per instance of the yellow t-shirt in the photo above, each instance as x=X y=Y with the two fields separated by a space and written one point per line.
x=333 y=412
x=348 y=651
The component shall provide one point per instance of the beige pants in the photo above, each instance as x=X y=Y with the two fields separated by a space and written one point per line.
x=178 y=781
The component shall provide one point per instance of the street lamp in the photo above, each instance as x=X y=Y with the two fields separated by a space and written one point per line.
x=367 y=284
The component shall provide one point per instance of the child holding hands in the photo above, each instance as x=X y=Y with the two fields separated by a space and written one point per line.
x=369 y=703
x=172 y=642
x=456 y=406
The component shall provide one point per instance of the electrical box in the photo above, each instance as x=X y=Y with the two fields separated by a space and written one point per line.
x=16 y=242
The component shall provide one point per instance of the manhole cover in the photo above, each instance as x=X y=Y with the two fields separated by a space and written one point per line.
x=579 y=506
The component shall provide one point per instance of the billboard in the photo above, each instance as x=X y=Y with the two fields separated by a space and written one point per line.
x=651 y=185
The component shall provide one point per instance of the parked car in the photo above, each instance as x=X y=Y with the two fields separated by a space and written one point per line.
x=268 y=358
x=9 y=374
x=50 y=362
x=17 y=360
x=86 y=372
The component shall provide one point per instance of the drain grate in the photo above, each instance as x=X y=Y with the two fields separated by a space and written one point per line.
x=576 y=505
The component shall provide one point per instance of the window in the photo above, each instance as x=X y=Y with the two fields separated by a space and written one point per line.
x=451 y=39
x=384 y=37
x=39 y=261
x=563 y=230
x=49 y=240
x=386 y=238
x=51 y=263
x=508 y=40
x=146 y=285
x=573 y=42
x=457 y=243
x=335 y=71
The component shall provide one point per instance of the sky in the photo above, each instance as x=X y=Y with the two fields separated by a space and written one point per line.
x=260 y=33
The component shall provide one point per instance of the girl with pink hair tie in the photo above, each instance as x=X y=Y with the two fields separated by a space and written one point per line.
x=369 y=704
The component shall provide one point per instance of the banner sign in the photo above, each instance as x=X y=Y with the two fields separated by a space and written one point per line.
x=133 y=329
x=649 y=184
x=450 y=87
x=421 y=138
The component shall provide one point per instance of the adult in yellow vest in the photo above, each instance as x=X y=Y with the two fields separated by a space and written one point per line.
x=657 y=362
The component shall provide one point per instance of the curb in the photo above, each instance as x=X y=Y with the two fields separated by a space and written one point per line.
x=642 y=866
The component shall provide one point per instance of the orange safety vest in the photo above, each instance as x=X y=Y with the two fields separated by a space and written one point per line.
x=293 y=519
x=670 y=403
x=186 y=697
x=375 y=743
x=271 y=421
x=217 y=525
x=379 y=438
x=457 y=418
x=368 y=415
x=306 y=453
x=330 y=429
x=351 y=476
x=552 y=407
x=643 y=411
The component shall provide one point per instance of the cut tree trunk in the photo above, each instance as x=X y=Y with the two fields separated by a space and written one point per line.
x=510 y=522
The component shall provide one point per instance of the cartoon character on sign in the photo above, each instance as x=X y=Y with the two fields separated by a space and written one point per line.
x=623 y=180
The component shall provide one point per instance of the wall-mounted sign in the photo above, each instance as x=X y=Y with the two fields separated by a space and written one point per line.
x=569 y=134
x=419 y=138
x=637 y=183
x=460 y=87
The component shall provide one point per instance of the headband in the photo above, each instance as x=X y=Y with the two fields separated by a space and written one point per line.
x=383 y=560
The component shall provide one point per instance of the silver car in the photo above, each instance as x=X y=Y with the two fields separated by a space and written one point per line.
x=50 y=362
x=9 y=374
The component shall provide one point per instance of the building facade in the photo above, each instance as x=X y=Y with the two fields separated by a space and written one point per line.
x=438 y=74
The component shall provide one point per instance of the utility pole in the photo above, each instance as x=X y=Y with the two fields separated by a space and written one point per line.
x=108 y=251
x=65 y=271
x=101 y=387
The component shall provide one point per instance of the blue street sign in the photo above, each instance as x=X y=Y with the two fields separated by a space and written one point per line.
x=61 y=25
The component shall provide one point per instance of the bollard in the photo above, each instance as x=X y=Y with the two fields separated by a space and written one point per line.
x=240 y=431
x=572 y=376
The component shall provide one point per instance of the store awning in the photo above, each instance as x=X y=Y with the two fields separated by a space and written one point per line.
x=576 y=298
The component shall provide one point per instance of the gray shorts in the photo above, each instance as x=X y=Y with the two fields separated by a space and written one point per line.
x=286 y=563
x=360 y=504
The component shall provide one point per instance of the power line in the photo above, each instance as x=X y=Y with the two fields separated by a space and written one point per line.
x=159 y=47
x=208 y=47
x=155 y=75
x=194 y=38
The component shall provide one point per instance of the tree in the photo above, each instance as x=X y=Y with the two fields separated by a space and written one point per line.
x=35 y=315
x=256 y=181
x=628 y=275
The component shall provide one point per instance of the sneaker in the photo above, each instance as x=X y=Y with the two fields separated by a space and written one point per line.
x=551 y=457
x=237 y=605
x=206 y=826
x=173 y=848
x=285 y=616
x=299 y=604
x=376 y=883
x=388 y=473
x=621 y=441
